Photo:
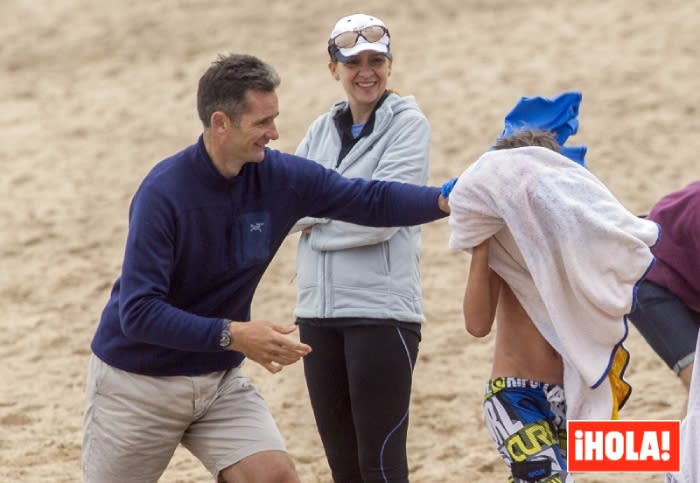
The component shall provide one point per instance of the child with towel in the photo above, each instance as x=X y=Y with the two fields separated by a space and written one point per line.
x=556 y=259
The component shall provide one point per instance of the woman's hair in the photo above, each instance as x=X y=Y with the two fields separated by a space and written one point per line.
x=528 y=137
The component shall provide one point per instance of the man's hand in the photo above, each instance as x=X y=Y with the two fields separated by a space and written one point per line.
x=443 y=204
x=267 y=344
x=445 y=191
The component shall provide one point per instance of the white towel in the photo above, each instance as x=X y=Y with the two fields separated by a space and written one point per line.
x=570 y=251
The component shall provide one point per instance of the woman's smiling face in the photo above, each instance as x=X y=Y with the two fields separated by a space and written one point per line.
x=364 y=77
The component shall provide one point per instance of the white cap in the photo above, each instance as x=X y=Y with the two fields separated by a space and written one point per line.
x=354 y=23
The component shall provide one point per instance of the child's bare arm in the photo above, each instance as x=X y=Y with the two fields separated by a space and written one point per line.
x=481 y=293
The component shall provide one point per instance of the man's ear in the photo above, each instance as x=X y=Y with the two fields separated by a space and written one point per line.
x=219 y=121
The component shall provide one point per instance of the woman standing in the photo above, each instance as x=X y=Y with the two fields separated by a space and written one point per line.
x=359 y=302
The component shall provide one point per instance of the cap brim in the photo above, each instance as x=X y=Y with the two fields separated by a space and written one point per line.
x=343 y=55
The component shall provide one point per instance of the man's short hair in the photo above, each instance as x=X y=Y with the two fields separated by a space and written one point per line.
x=224 y=85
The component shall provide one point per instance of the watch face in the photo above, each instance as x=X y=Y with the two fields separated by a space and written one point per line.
x=225 y=340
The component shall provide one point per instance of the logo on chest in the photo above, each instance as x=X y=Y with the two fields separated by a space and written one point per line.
x=256 y=227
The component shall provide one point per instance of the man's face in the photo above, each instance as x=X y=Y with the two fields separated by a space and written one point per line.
x=255 y=128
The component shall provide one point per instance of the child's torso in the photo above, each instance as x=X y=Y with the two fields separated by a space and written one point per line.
x=520 y=350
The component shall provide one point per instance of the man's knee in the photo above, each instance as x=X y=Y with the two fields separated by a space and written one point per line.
x=267 y=466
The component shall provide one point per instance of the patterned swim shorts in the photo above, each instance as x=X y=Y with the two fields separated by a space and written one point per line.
x=527 y=421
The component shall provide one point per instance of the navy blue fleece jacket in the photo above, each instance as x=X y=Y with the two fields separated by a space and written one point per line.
x=199 y=243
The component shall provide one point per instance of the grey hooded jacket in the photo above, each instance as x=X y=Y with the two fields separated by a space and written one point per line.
x=347 y=270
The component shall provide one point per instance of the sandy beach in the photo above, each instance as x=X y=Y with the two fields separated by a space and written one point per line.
x=93 y=94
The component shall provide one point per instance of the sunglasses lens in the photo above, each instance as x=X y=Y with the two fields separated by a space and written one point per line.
x=346 y=40
x=373 y=33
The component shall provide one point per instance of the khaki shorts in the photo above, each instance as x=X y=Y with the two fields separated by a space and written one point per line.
x=133 y=423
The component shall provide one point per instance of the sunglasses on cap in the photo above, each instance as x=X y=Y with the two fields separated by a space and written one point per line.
x=371 y=34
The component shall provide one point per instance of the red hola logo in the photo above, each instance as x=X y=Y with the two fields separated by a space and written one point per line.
x=623 y=446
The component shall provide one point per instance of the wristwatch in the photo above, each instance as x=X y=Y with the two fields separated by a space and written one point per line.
x=225 y=338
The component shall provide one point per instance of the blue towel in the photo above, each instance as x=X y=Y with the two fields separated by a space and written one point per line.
x=558 y=114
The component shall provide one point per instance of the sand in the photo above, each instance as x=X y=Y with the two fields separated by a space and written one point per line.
x=94 y=93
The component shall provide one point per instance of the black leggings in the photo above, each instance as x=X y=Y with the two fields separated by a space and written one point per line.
x=359 y=382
